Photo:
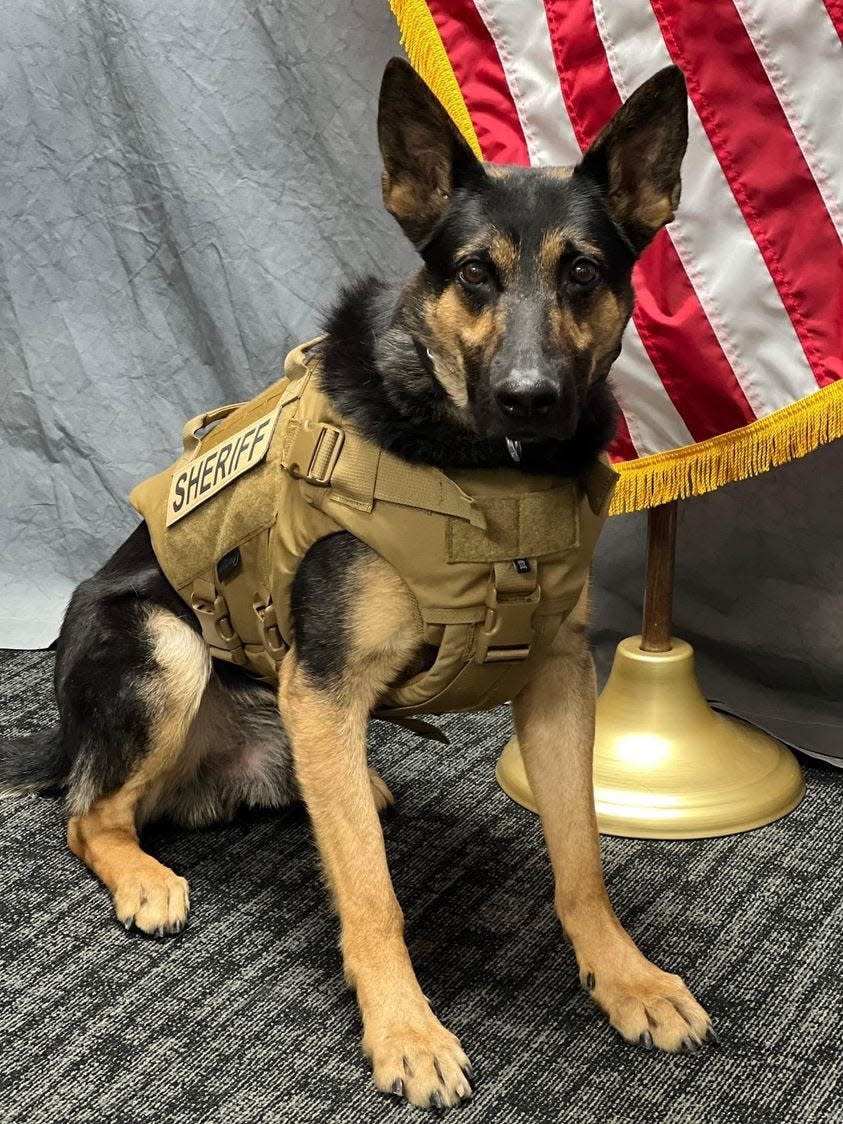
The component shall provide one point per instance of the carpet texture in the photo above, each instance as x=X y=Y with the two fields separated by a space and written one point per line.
x=244 y=1018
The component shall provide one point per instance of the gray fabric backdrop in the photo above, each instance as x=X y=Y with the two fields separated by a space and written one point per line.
x=183 y=188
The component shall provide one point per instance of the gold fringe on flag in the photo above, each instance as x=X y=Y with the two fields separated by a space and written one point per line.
x=691 y=470
x=421 y=40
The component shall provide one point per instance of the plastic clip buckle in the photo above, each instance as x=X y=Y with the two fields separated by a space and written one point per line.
x=507 y=623
x=217 y=629
x=271 y=637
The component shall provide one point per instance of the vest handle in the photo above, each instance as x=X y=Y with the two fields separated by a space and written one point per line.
x=189 y=435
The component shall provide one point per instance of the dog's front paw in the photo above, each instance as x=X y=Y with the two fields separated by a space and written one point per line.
x=153 y=899
x=651 y=1008
x=420 y=1060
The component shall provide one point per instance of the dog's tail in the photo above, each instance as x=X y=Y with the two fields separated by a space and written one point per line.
x=32 y=763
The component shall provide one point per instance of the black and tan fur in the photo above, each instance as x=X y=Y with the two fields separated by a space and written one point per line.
x=508 y=331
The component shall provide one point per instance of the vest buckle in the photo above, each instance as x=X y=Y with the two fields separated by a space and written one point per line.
x=312 y=450
x=218 y=631
x=271 y=636
x=506 y=633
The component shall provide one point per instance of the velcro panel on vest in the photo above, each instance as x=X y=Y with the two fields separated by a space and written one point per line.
x=527 y=526
x=232 y=612
x=200 y=539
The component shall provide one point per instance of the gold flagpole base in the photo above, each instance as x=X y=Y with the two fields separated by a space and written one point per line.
x=666 y=766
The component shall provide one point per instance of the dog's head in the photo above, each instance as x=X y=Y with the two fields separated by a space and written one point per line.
x=525 y=290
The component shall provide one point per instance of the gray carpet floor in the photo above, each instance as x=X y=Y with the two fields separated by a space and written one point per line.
x=244 y=1016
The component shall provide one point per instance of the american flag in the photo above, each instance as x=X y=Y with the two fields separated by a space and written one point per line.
x=732 y=362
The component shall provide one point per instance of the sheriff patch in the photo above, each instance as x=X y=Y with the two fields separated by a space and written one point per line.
x=199 y=479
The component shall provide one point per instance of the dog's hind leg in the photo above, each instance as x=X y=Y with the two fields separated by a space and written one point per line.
x=554 y=718
x=104 y=835
x=146 y=893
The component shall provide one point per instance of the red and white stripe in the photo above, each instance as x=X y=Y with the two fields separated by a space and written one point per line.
x=739 y=302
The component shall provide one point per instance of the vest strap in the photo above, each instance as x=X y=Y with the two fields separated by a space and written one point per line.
x=397 y=482
x=417 y=726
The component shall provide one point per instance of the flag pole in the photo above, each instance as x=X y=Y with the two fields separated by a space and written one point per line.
x=667 y=766
x=658 y=588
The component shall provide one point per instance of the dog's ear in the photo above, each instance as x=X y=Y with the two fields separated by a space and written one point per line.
x=425 y=158
x=636 y=158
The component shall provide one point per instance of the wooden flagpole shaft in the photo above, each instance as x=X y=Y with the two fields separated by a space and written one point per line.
x=658 y=592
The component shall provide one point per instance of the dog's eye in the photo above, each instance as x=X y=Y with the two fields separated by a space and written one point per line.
x=473 y=273
x=584 y=272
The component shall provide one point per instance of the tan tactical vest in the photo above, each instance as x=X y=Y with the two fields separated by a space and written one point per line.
x=496 y=559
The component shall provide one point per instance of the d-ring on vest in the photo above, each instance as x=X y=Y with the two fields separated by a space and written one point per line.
x=496 y=559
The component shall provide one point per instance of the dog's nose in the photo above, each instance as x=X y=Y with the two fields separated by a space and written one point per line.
x=526 y=396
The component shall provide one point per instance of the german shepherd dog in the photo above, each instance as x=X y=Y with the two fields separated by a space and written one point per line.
x=499 y=346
